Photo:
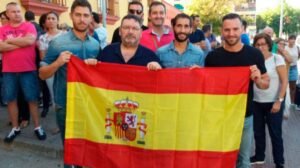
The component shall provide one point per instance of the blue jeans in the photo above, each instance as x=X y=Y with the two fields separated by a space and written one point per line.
x=263 y=116
x=245 y=147
x=28 y=82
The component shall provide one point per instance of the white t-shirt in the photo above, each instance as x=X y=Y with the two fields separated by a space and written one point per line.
x=45 y=39
x=294 y=54
x=270 y=94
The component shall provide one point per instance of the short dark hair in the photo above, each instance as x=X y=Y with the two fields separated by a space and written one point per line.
x=29 y=16
x=292 y=37
x=206 y=28
x=231 y=16
x=267 y=39
x=134 y=2
x=156 y=3
x=194 y=16
x=96 y=17
x=245 y=24
x=134 y=17
x=82 y=3
x=181 y=15
x=42 y=20
x=4 y=14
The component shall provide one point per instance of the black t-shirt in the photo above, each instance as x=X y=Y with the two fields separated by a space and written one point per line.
x=197 y=36
x=247 y=56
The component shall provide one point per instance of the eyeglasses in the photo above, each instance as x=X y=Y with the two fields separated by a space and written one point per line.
x=134 y=29
x=132 y=11
x=281 y=44
x=260 y=44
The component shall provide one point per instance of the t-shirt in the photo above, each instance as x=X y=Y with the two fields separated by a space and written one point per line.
x=21 y=59
x=271 y=94
x=294 y=54
x=247 y=56
x=197 y=36
x=245 y=39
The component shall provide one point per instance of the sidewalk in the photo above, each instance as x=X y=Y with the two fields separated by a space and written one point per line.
x=52 y=147
x=291 y=141
x=27 y=141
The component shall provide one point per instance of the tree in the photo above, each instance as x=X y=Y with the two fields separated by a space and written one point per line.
x=211 y=12
x=271 y=18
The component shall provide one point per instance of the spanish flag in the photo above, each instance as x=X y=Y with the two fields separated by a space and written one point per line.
x=121 y=116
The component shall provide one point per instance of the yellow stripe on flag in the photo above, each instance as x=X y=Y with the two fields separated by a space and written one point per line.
x=173 y=121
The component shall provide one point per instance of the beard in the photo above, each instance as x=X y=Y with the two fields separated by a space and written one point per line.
x=75 y=27
x=126 y=41
x=179 y=39
x=231 y=42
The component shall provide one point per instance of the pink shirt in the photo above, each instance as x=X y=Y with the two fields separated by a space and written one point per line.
x=150 y=39
x=21 y=59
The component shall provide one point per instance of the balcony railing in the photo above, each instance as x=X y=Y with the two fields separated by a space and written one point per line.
x=40 y=7
x=57 y=2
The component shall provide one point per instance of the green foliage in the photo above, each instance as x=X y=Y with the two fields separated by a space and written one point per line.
x=271 y=18
x=211 y=12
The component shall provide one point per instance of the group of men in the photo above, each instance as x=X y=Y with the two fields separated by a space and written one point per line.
x=155 y=48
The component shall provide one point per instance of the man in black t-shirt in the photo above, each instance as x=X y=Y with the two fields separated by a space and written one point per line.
x=234 y=53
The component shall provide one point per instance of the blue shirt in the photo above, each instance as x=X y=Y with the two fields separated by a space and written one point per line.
x=112 y=54
x=197 y=36
x=170 y=58
x=68 y=42
x=245 y=39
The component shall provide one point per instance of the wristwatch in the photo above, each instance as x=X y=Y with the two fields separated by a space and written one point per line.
x=280 y=99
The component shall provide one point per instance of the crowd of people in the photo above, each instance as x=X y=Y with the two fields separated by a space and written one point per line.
x=34 y=57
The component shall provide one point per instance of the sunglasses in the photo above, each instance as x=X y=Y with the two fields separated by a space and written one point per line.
x=132 y=11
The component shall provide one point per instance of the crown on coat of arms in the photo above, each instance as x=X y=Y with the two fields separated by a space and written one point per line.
x=126 y=105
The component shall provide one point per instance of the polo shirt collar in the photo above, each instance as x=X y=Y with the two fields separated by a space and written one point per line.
x=74 y=37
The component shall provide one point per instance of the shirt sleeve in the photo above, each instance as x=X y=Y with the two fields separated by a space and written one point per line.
x=201 y=36
x=42 y=43
x=1 y=34
x=260 y=62
x=51 y=54
x=279 y=60
x=30 y=29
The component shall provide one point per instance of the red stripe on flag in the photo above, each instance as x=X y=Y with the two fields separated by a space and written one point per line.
x=139 y=79
x=95 y=155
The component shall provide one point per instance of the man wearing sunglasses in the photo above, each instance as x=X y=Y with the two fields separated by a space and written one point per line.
x=135 y=8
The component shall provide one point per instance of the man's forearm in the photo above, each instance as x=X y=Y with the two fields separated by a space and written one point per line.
x=47 y=71
x=21 y=41
x=7 y=47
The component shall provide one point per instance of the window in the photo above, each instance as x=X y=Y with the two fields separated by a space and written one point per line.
x=111 y=10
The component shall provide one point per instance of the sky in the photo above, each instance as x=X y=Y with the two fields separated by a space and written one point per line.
x=263 y=5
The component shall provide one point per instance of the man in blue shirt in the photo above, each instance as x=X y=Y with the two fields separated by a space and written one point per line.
x=181 y=53
x=197 y=36
x=74 y=43
x=129 y=51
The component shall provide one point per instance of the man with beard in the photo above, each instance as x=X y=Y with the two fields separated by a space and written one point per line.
x=235 y=53
x=158 y=35
x=129 y=51
x=181 y=53
x=73 y=43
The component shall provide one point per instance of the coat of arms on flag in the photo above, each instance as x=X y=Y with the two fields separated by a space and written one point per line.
x=126 y=121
